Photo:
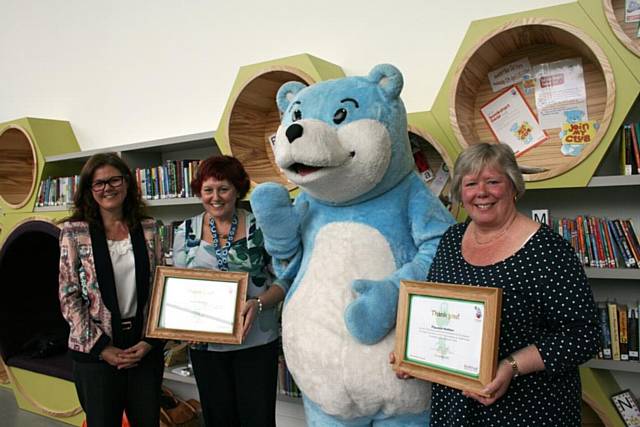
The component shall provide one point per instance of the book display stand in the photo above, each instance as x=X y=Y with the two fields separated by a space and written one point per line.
x=626 y=32
x=17 y=167
x=251 y=116
x=30 y=306
x=435 y=152
x=540 y=41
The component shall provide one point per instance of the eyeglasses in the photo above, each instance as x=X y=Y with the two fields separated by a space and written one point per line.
x=114 y=181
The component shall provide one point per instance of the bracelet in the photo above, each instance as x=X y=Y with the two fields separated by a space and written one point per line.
x=259 y=305
x=514 y=365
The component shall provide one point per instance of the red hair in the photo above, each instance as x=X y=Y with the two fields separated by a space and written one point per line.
x=221 y=168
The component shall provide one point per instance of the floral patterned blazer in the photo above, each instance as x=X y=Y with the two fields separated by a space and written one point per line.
x=87 y=290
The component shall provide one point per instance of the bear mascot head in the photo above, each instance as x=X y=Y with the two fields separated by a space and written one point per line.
x=362 y=222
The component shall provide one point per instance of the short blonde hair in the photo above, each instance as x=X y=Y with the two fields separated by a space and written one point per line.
x=479 y=156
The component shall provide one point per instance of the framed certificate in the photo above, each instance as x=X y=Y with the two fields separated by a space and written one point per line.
x=448 y=334
x=197 y=305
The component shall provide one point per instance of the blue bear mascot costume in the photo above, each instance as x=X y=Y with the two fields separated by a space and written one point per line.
x=363 y=221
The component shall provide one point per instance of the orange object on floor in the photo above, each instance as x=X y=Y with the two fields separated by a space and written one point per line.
x=125 y=421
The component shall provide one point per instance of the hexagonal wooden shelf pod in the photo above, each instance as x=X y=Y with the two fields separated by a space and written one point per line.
x=251 y=115
x=426 y=136
x=25 y=143
x=608 y=15
x=542 y=36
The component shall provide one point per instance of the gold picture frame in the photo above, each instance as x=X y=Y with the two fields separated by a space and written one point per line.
x=200 y=305
x=436 y=319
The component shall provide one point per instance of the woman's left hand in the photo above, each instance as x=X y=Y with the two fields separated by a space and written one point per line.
x=498 y=387
x=249 y=313
x=133 y=355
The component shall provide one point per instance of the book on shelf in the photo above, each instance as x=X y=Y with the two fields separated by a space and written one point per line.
x=630 y=237
x=632 y=331
x=166 y=233
x=623 y=332
x=286 y=384
x=613 y=327
x=605 y=332
x=170 y=180
x=635 y=148
x=601 y=242
x=629 y=137
x=57 y=191
x=619 y=330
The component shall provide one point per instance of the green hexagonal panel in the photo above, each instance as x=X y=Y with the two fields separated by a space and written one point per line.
x=56 y=394
x=24 y=144
x=542 y=35
x=608 y=16
x=251 y=116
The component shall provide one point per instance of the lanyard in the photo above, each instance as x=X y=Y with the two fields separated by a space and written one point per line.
x=222 y=254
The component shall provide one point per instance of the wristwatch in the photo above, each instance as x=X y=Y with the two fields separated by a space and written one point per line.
x=514 y=365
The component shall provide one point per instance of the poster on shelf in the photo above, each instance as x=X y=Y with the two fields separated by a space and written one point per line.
x=632 y=11
x=510 y=74
x=512 y=121
x=559 y=88
x=440 y=180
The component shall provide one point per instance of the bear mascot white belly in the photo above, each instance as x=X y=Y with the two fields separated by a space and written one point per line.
x=363 y=221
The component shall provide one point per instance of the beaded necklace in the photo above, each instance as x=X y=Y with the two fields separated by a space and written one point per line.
x=222 y=253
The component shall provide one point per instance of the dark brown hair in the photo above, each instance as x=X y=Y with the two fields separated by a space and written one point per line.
x=221 y=168
x=85 y=207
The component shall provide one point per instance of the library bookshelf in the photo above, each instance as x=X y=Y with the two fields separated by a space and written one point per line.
x=608 y=194
x=146 y=154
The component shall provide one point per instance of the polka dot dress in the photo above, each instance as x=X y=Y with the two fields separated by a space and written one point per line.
x=546 y=301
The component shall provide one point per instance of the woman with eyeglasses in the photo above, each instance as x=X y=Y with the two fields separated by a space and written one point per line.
x=108 y=253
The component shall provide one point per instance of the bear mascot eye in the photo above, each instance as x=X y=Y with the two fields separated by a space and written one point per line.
x=296 y=115
x=339 y=116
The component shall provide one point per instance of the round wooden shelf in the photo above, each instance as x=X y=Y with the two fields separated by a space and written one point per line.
x=541 y=41
x=436 y=156
x=18 y=166
x=624 y=31
x=255 y=118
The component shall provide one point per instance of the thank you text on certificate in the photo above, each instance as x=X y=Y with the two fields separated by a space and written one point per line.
x=445 y=334
x=198 y=305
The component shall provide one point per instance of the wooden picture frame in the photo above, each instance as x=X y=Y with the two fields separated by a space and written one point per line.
x=428 y=333
x=627 y=407
x=200 y=305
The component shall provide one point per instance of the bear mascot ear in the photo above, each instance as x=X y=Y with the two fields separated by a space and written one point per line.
x=389 y=80
x=286 y=93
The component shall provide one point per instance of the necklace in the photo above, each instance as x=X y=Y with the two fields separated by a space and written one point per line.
x=222 y=253
x=495 y=236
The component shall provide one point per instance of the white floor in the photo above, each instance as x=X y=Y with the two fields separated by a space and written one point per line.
x=12 y=416
x=288 y=414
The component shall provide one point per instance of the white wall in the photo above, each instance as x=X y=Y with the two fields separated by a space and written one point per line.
x=124 y=71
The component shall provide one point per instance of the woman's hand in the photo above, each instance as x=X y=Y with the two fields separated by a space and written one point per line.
x=111 y=355
x=401 y=375
x=498 y=387
x=249 y=313
x=133 y=355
